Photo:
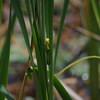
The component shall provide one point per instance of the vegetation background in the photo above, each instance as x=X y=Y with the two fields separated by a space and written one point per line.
x=78 y=37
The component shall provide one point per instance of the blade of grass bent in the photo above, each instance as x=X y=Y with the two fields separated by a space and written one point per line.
x=75 y=62
x=65 y=6
x=61 y=90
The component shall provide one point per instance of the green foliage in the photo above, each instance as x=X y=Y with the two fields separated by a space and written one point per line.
x=41 y=24
x=76 y=62
x=61 y=90
x=4 y=60
x=40 y=15
x=93 y=24
x=0 y=8
x=96 y=11
x=5 y=93
x=61 y=28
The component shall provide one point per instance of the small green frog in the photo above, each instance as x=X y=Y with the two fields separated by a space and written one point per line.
x=47 y=49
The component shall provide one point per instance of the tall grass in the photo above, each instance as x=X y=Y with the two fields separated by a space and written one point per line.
x=92 y=17
x=40 y=15
x=41 y=24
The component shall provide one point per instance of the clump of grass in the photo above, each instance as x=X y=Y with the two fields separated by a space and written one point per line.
x=40 y=15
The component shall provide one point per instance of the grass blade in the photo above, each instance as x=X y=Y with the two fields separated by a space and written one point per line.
x=75 y=62
x=50 y=7
x=0 y=9
x=92 y=49
x=4 y=92
x=18 y=13
x=65 y=6
x=61 y=90
x=4 y=60
x=96 y=11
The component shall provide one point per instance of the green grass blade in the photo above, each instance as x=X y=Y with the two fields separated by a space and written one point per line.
x=50 y=8
x=75 y=62
x=61 y=90
x=4 y=60
x=65 y=6
x=4 y=92
x=96 y=11
x=92 y=49
x=0 y=9
x=18 y=12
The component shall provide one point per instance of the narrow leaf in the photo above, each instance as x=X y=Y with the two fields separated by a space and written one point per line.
x=75 y=62
x=61 y=90
x=96 y=11
x=4 y=92
x=18 y=12
x=4 y=60
x=0 y=9
x=49 y=23
x=92 y=47
x=65 y=6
